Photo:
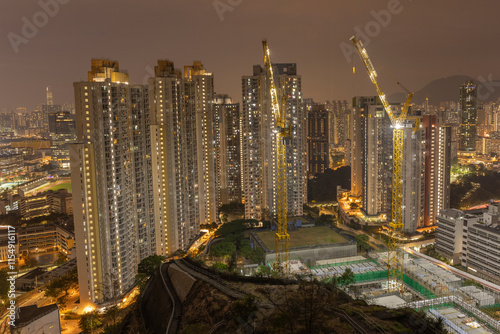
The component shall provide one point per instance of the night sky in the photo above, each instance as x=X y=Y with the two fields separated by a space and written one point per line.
x=424 y=40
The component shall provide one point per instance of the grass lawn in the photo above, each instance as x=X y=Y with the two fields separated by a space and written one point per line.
x=65 y=185
x=319 y=235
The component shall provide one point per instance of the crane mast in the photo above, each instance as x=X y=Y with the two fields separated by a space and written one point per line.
x=395 y=258
x=282 y=238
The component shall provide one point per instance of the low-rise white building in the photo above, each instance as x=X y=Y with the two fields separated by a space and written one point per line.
x=472 y=240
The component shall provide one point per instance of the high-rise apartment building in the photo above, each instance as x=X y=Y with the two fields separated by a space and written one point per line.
x=174 y=158
x=199 y=94
x=413 y=179
x=227 y=149
x=468 y=108
x=111 y=171
x=437 y=167
x=370 y=141
x=317 y=139
x=62 y=133
x=371 y=148
x=259 y=142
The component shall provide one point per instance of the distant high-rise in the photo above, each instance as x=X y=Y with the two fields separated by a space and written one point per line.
x=338 y=121
x=111 y=172
x=227 y=148
x=47 y=108
x=317 y=138
x=437 y=167
x=50 y=97
x=468 y=108
x=259 y=142
x=62 y=133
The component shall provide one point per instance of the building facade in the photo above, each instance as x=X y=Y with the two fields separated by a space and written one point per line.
x=42 y=204
x=413 y=180
x=259 y=142
x=62 y=133
x=199 y=97
x=227 y=149
x=471 y=240
x=371 y=148
x=111 y=173
x=437 y=167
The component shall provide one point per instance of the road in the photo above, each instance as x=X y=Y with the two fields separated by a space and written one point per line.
x=176 y=316
x=208 y=277
x=374 y=243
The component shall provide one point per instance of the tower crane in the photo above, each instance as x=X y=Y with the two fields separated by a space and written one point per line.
x=282 y=129
x=395 y=257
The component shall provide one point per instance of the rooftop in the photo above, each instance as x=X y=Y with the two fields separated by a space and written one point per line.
x=28 y=314
x=312 y=236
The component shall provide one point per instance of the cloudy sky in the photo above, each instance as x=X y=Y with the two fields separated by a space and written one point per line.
x=413 y=41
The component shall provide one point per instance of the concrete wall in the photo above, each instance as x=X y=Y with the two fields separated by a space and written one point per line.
x=320 y=252
x=181 y=281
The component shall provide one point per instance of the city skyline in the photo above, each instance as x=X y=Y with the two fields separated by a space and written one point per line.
x=315 y=43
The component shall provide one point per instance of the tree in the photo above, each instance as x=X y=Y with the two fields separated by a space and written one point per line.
x=473 y=283
x=326 y=219
x=111 y=314
x=61 y=259
x=111 y=329
x=140 y=281
x=347 y=278
x=253 y=255
x=63 y=284
x=223 y=249
x=4 y=284
x=232 y=262
x=31 y=262
x=264 y=271
x=323 y=187
x=150 y=264
x=61 y=301
x=362 y=240
x=89 y=322
x=180 y=253
x=220 y=266
x=244 y=309
x=305 y=309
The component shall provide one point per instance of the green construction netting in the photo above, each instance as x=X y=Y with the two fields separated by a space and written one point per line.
x=418 y=287
x=371 y=276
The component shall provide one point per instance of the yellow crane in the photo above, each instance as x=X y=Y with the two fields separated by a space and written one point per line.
x=282 y=129
x=395 y=258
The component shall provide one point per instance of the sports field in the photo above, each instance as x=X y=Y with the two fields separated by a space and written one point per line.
x=319 y=235
x=62 y=183
x=65 y=185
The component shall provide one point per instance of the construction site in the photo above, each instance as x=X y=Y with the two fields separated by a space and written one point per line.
x=426 y=286
x=396 y=278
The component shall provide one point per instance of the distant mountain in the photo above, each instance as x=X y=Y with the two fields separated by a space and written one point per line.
x=448 y=89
